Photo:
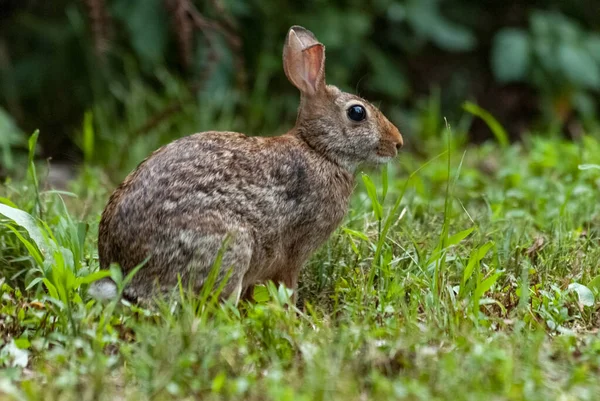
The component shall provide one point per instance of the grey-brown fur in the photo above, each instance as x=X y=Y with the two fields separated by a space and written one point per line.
x=276 y=199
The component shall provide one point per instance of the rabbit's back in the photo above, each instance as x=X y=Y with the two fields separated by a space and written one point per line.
x=276 y=196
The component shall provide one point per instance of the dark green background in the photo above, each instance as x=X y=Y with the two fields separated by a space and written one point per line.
x=148 y=73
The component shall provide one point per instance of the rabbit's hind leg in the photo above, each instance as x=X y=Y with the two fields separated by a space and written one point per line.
x=289 y=278
x=235 y=253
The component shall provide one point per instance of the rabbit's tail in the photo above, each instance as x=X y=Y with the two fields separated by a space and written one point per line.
x=103 y=289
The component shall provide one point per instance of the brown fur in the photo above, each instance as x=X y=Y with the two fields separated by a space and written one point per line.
x=276 y=199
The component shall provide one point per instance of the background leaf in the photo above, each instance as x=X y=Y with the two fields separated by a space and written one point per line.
x=426 y=18
x=511 y=55
x=579 y=66
x=27 y=222
x=585 y=295
x=147 y=26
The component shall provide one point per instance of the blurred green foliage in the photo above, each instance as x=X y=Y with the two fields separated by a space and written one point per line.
x=556 y=56
x=150 y=71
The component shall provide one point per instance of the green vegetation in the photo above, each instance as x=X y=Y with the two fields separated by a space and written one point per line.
x=463 y=272
x=152 y=70
x=556 y=56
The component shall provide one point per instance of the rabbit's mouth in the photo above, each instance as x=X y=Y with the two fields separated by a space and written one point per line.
x=379 y=159
x=387 y=150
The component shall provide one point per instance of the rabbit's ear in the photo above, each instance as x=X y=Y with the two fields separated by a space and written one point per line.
x=304 y=61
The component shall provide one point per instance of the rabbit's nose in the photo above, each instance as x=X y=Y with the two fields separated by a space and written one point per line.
x=398 y=139
x=393 y=135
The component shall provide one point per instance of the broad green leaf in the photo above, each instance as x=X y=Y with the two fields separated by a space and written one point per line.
x=260 y=294
x=453 y=37
x=511 y=55
x=554 y=26
x=284 y=294
x=25 y=221
x=592 y=45
x=540 y=23
x=578 y=65
x=427 y=20
x=567 y=30
x=585 y=295
x=544 y=50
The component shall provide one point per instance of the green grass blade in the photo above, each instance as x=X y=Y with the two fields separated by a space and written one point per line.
x=384 y=183
x=493 y=124
x=88 y=137
x=372 y=193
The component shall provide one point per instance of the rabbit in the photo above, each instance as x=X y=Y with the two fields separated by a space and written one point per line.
x=268 y=202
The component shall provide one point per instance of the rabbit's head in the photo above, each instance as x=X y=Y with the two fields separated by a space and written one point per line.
x=342 y=126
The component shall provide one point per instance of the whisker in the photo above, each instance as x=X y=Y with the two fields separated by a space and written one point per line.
x=356 y=90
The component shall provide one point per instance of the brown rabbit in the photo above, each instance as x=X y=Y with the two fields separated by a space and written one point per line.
x=274 y=200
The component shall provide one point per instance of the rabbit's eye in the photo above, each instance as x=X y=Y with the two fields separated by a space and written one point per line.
x=357 y=113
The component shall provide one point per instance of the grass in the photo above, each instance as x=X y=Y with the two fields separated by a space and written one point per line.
x=461 y=272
